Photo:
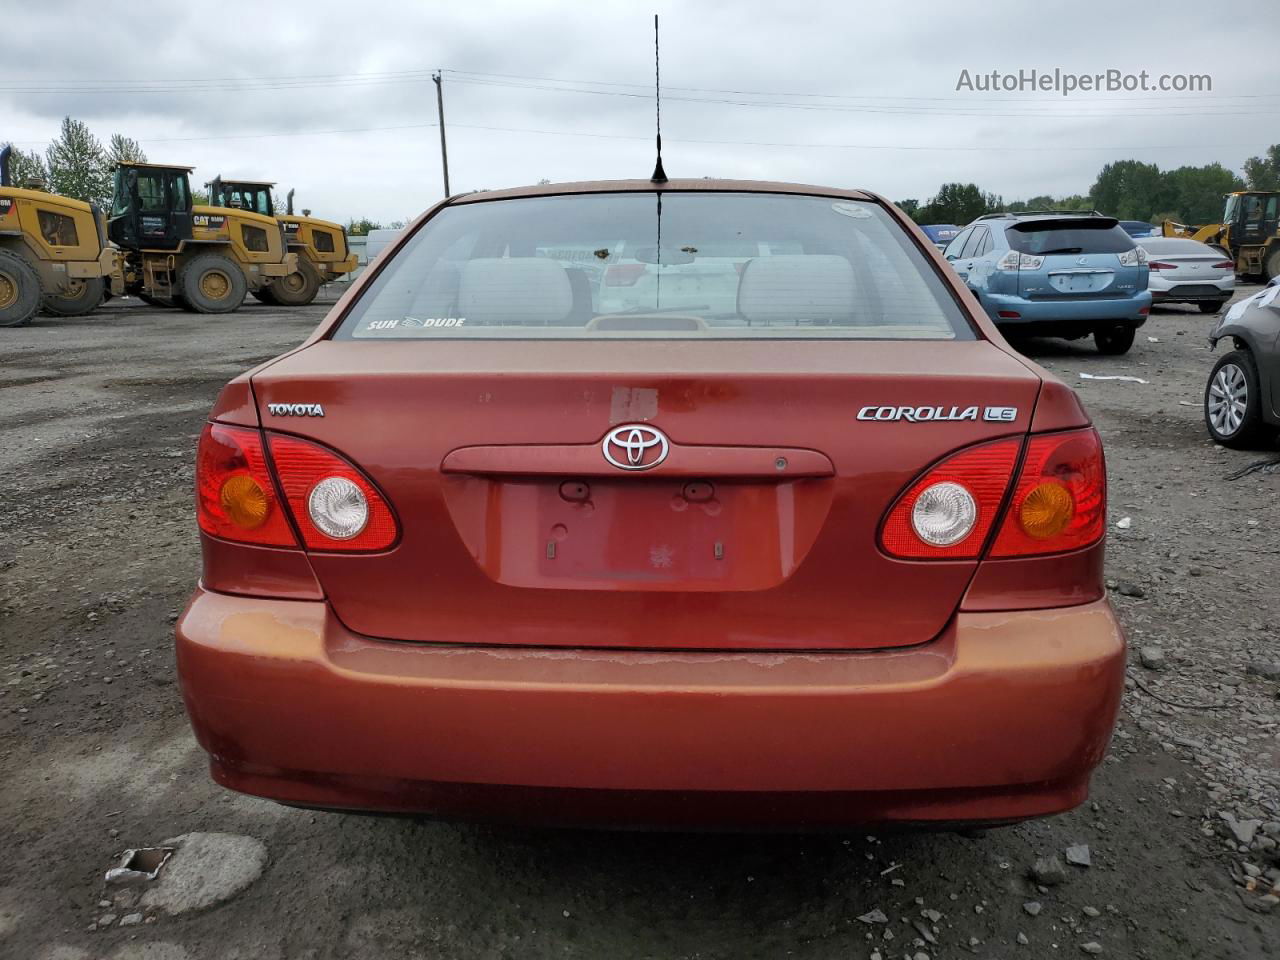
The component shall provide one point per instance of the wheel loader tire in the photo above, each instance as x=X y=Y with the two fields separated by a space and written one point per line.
x=211 y=283
x=264 y=295
x=83 y=297
x=1273 y=266
x=297 y=289
x=19 y=290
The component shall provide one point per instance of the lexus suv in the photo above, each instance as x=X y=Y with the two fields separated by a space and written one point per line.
x=554 y=520
x=1056 y=275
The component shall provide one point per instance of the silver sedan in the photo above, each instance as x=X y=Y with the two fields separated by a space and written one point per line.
x=1187 y=271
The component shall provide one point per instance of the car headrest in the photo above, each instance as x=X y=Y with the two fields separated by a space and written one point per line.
x=514 y=290
x=791 y=288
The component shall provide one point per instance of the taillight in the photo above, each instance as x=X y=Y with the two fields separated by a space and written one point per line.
x=1060 y=501
x=624 y=274
x=1157 y=265
x=1133 y=258
x=1019 y=261
x=1225 y=265
x=235 y=498
x=336 y=507
x=947 y=513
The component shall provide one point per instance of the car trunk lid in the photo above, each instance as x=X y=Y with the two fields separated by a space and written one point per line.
x=757 y=531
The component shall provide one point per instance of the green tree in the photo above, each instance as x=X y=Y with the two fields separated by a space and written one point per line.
x=1263 y=173
x=910 y=207
x=122 y=149
x=1196 y=192
x=959 y=203
x=78 y=165
x=26 y=166
x=361 y=227
x=1129 y=190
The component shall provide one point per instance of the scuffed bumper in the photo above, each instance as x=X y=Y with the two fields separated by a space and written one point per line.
x=1003 y=717
x=1082 y=315
x=283 y=269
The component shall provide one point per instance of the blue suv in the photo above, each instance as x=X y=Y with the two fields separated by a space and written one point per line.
x=1056 y=275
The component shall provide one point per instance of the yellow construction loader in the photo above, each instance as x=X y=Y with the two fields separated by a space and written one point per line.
x=53 y=253
x=202 y=258
x=1249 y=232
x=321 y=245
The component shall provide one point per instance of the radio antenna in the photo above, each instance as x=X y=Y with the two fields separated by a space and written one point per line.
x=659 y=175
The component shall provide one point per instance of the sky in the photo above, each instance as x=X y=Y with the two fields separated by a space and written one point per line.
x=336 y=100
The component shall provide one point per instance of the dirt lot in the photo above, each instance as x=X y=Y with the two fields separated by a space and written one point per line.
x=98 y=553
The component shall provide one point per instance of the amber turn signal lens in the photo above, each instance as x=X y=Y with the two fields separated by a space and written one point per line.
x=1046 y=510
x=244 y=500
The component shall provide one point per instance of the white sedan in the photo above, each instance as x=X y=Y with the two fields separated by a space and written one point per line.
x=1187 y=271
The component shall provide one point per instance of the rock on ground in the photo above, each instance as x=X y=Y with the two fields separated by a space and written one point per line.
x=206 y=869
x=1048 y=872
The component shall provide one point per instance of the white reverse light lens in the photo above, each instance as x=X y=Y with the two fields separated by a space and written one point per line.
x=338 y=508
x=944 y=514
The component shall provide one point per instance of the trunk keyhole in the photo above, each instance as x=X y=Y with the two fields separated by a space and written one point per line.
x=698 y=491
x=575 y=491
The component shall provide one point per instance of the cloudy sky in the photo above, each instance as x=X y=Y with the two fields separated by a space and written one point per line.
x=336 y=100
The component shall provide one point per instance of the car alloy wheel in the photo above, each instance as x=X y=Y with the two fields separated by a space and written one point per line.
x=1228 y=399
x=1232 y=411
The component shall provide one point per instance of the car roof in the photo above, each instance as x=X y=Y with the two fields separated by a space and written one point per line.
x=667 y=186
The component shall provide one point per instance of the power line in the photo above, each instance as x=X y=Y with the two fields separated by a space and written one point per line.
x=1153 y=111
x=375 y=78
x=837 y=96
x=694 y=140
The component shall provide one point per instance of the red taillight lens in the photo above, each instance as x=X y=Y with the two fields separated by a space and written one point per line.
x=1008 y=315
x=1060 y=503
x=1157 y=265
x=325 y=491
x=983 y=472
x=235 y=498
x=1225 y=265
x=624 y=274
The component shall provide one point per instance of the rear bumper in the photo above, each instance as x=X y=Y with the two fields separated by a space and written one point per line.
x=287 y=266
x=1001 y=718
x=1083 y=313
x=1165 y=291
x=338 y=268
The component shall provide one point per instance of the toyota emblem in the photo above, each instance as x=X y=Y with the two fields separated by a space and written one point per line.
x=635 y=447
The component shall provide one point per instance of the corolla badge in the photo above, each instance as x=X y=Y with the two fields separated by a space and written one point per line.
x=635 y=447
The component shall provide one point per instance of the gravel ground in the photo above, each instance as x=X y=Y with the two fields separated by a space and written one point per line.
x=98 y=553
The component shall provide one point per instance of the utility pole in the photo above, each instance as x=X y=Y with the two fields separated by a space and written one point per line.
x=444 y=150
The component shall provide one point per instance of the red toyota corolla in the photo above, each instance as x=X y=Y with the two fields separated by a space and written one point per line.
x=684 y=503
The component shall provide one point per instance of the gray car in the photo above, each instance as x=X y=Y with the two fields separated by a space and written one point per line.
x=1242 y=397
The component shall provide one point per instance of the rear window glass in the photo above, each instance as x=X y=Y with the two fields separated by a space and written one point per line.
x=1042 y=238
x=1177 y=245
x=648 y=265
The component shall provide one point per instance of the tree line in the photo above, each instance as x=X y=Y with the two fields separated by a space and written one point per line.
x=75 y=164
x=1126 y=189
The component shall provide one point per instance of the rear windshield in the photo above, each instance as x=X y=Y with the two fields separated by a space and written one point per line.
x=679 y=265
x=1046 y=237
x=1172 y=246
